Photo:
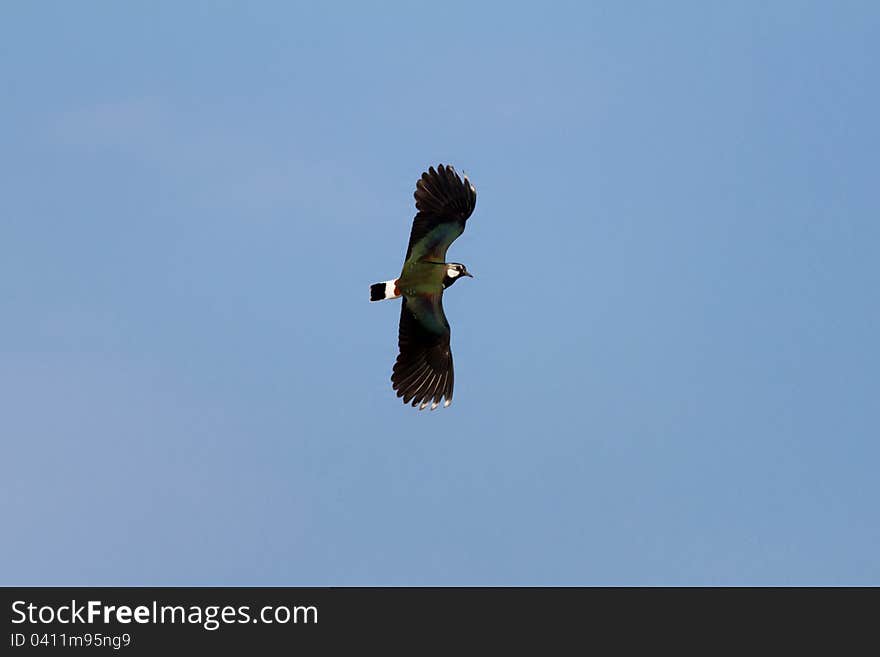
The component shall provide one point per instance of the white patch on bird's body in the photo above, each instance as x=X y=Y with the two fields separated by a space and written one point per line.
x=452 y=272
x=389 y=290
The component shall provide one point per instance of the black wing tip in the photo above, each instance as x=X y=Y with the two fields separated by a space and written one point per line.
x=442 y=190
x=421 y=386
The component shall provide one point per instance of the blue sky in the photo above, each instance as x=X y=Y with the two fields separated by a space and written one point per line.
x=666 y=366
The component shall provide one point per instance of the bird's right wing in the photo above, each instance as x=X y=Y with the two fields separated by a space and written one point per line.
x=423 y=372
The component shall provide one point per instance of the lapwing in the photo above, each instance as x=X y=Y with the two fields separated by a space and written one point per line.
x=423 y=372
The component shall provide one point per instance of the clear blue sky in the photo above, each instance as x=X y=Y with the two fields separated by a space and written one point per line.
x=666 y=366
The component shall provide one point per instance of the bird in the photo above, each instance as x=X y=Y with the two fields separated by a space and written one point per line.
x=423 y=373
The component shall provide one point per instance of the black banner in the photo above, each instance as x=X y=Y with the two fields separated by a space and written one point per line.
x=155 y=620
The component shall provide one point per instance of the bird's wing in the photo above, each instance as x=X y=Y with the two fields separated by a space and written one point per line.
x=444 y=202
x=423 y=371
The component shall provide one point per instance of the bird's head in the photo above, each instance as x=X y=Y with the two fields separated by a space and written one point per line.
x=454 y=271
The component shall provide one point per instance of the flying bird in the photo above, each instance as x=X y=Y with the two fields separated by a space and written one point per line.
x=423 y=372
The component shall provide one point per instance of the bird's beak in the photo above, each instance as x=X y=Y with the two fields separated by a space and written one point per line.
x=467 y=273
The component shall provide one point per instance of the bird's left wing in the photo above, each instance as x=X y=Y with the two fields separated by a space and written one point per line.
x=444 y=202
x=423 y=372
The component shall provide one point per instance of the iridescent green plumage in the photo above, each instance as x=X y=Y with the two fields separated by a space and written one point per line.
x=420 y=277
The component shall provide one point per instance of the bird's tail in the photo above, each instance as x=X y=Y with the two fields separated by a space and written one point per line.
x=386 y=290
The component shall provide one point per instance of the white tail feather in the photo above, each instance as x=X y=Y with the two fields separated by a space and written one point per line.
x=384 y=290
